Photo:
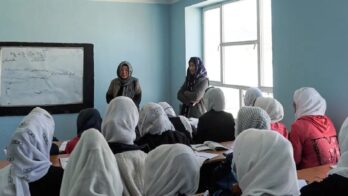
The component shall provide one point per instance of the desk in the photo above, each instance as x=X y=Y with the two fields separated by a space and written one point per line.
x=54 y=160
x=314 y=173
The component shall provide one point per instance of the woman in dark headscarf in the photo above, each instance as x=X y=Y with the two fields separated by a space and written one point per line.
x=88 y=118
x=124 y=84
x=192 y=91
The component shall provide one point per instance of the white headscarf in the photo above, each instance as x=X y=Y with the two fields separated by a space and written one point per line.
x=168 y=109
x=251 y=95
x=171 y=169
x=120 y=121
x=153 y=120
x=273 y=108
x=214 y=99
x=29 y=152
x=252 y=117
x=92 y=168
x=263 y=163
x=342 y=165
x=308 y=102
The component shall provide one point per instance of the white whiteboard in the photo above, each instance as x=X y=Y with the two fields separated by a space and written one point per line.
x=41 y=76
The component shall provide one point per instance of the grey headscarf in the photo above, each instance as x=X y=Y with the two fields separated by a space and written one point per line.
x=251 y=95
x=273 y=108
x=126 y=84
x=214 y=99
x=252 y=117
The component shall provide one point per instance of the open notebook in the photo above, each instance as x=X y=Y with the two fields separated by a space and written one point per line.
x=208 y=145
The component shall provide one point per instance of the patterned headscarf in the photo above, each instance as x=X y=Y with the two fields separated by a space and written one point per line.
x=29 y=151
x=273 y=108
x=88 y=118
x=120 y=121
x=153 y=120
x=252 y=117
x=171 y=169
x=251 y=95
x=199 y=73
x=256 y=154
x=308 y=102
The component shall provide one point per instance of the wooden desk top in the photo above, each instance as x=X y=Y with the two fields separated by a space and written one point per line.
x=54 y=160
x=314 y=173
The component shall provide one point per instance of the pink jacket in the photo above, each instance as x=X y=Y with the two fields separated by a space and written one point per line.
x=280 y=128
x=314 y=141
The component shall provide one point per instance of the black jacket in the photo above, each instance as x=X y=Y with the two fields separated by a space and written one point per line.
x=332 y=185
x=215 y=126
x=168 y=137
x=49 y=184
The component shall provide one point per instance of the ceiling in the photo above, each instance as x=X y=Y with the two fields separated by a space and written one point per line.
x=142 y=1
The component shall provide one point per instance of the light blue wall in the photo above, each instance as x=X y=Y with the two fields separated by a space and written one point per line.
x=139 y=33
x=310 y=45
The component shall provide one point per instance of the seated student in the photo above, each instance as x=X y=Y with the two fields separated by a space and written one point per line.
x=251 y=95
x=275 y=111
x=215 y=125
x=171 y=170
x=313 y=135
x=337 y=181
x=263 y=164
x=181 y=123
x=252 y=117
x=156 y=129
x=118 y=127
x=92 y=168
x=87 y=118
x=30 y=171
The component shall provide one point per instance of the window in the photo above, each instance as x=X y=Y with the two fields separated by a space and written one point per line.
x=238 y=48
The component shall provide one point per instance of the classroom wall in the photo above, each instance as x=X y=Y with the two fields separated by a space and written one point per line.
x=310 y=40
x=310 y=44
x=139 y=33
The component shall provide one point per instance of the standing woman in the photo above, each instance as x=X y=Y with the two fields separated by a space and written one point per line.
x=313 y=135
x=192 y=91
x=124 y=84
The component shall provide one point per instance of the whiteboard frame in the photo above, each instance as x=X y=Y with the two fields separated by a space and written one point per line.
x=88 y=81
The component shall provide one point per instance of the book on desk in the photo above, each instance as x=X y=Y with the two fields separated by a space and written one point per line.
x=208 y=145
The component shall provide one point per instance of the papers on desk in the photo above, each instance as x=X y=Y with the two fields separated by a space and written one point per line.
x=208 y=145
x=206 y=155
x=64 y=161
x=63 y=146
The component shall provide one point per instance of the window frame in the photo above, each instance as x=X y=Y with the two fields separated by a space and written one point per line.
x=258 y=42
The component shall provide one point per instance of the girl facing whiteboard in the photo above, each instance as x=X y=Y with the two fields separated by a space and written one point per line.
x=124 y=84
